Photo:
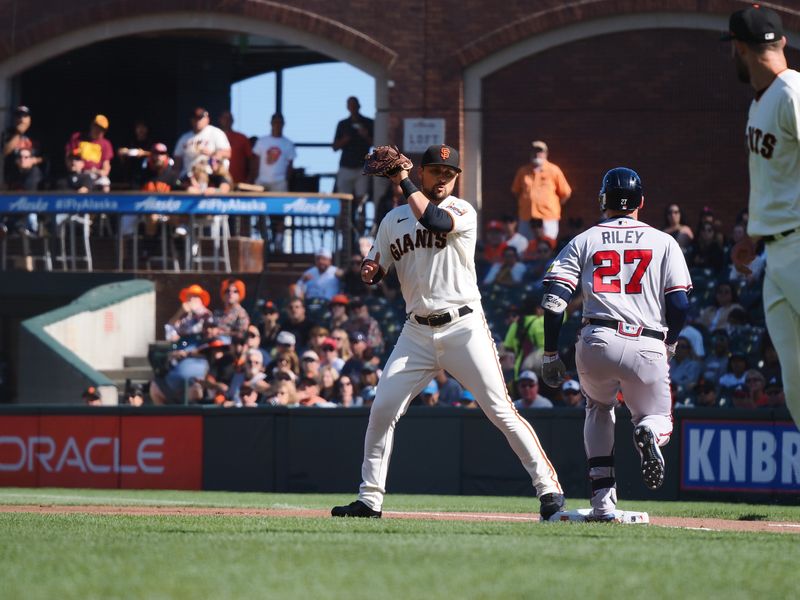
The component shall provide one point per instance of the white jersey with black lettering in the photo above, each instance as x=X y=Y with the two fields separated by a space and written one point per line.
x=624 y=268
x=773 y=141
x=436 y=270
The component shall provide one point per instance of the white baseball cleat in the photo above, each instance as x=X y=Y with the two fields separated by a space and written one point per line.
x=652 y=460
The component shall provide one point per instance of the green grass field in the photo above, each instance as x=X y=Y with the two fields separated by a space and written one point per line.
x=91 y=556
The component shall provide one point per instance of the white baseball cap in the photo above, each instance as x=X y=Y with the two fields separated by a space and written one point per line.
x=528 y=375
x=286 y=338
x=324 y=252
x=571 y=385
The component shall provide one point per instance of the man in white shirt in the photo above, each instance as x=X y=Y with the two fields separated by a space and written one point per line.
x=528 y=389
x=202 y=140
x=273 y=156
x=319 y=281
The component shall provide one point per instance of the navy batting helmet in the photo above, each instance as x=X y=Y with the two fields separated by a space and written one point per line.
x=621 y=190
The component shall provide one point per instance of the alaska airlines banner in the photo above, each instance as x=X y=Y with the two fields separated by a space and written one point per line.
x=146 y=452
x=754 y=456
x=178 y=204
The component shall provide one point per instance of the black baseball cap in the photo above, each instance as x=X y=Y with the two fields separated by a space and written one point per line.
x=441 y=154
x=22 y=110
x=754 y=25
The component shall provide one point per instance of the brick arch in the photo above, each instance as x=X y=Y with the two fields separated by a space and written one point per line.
x=580 y=27
x=565 y=14
x=30 y=39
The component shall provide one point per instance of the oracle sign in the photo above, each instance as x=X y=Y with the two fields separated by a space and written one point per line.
x=102 y=451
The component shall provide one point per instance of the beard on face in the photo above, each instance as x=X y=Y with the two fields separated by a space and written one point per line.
x=435 y=195
x=741 y=68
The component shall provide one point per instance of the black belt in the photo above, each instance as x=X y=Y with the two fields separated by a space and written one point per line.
x=779 y=236
x=651 y=333
x=441 y=318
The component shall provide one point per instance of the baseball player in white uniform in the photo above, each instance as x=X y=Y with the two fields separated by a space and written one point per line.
x=431 y=242
x=634 y=281
x=773 y=142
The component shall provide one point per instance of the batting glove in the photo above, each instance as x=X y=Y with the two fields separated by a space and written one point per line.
x=553 y=370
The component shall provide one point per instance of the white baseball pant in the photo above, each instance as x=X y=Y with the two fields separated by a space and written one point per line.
x=463 y=347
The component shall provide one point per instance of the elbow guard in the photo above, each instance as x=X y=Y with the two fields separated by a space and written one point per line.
x=556 y=298
x=436 y=219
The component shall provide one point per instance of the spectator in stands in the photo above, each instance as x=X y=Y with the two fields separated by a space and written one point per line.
x=774 y=392
x=467 y=400
x=756 y=266
x=330 y=355
x=316 y=337
x=310 y=365
x=512 y=235
x=539 y=256
x=342 y=339
x=695 y=337
x=361 y=321
x=132 y=155
x=449 y=388
x=391 y=199
x=288 y=364
x=508 y=273
x=770 y=365
x=284 y=394
x=716 y=316
x=707 y=252
x=319 y=281
x=25 y=177
x=525 y=335
x=95 y=150
x=737 y=233
x=273 y=158
x=541 y=190
x=269 y=328
x=345 y=392
x=196 y=180
x=219 y=180
x=571 y=396
x=158 y=174
x=494 y=242
x=91 y=396
x=705 y=395
x=233 y=319
x=716 y=363
x=350 y=278
x=328 y=376
x=296 y=323
x=203 y=139
x=674 y=226
x=429 y=396
x=741 y=398
x=684 y=368
x=735 y=374
x=216 y=349
x=338 y=308
x=370 y=374
x=308 y=394
x=527 y=385
x=252 y=340
x=358 y=344
x=756 y=383
x=241 y=152
x=188 y=319
x=354 y=138
x=134 y=395
x=16 y=139
x=77 y=179
x=285 y=343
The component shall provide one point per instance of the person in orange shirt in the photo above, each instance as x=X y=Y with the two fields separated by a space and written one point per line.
x=541 y=190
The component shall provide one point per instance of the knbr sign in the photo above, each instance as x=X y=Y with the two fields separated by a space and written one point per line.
x=146 y=452
x=740 y=456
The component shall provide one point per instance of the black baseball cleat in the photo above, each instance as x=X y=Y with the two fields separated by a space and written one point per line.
x=652 y=460
x=356 y=509
x=550 y=504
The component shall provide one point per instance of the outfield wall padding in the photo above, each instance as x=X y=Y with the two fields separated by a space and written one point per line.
x=714 y=454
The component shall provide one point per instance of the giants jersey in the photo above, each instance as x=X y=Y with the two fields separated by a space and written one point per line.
x=773 y=140
x=436 y=270
x=625 y=268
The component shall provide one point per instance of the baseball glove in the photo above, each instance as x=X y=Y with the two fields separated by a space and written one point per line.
x=385 y=161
